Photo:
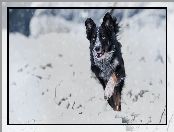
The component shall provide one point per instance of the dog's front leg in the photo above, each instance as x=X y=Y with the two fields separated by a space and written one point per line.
x=109 y=89
x=113 y=91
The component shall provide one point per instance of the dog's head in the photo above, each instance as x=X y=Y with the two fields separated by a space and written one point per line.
x=102 y=39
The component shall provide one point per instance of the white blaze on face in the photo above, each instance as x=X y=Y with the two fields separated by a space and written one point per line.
x=97 y=42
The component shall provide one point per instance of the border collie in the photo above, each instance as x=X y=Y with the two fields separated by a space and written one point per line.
x=106 y=58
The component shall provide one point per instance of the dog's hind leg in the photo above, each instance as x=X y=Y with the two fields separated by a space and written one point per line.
x=117 y=101
x=117 y=96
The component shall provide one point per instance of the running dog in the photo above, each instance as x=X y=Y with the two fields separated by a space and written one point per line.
x=106 y=58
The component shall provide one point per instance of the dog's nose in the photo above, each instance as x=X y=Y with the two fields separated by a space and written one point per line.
x=97 y=48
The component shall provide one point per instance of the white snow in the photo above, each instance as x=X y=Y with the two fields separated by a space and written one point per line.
x=50 y=78
x=35 y=92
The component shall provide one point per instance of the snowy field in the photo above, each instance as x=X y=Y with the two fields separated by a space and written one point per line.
x=46 y=80
x=50 y=81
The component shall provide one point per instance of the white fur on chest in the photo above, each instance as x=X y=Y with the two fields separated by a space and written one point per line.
x=107 y=69
x=107 y=72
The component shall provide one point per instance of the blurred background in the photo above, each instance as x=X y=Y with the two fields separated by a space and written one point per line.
x=23 y=20
x=50 y=78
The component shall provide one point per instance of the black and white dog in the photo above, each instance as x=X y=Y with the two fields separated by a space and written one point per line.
x=106 y=58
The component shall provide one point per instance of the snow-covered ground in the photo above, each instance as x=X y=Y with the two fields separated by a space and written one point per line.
x=51 y=82
x=48 y=85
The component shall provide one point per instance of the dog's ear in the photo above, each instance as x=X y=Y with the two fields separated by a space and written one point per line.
x=90 y=26
x=110 y=23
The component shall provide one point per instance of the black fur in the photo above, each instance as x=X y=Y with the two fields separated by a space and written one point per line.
x=103 y=40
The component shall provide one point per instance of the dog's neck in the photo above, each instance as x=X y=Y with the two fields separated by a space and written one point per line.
x=106 y=65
